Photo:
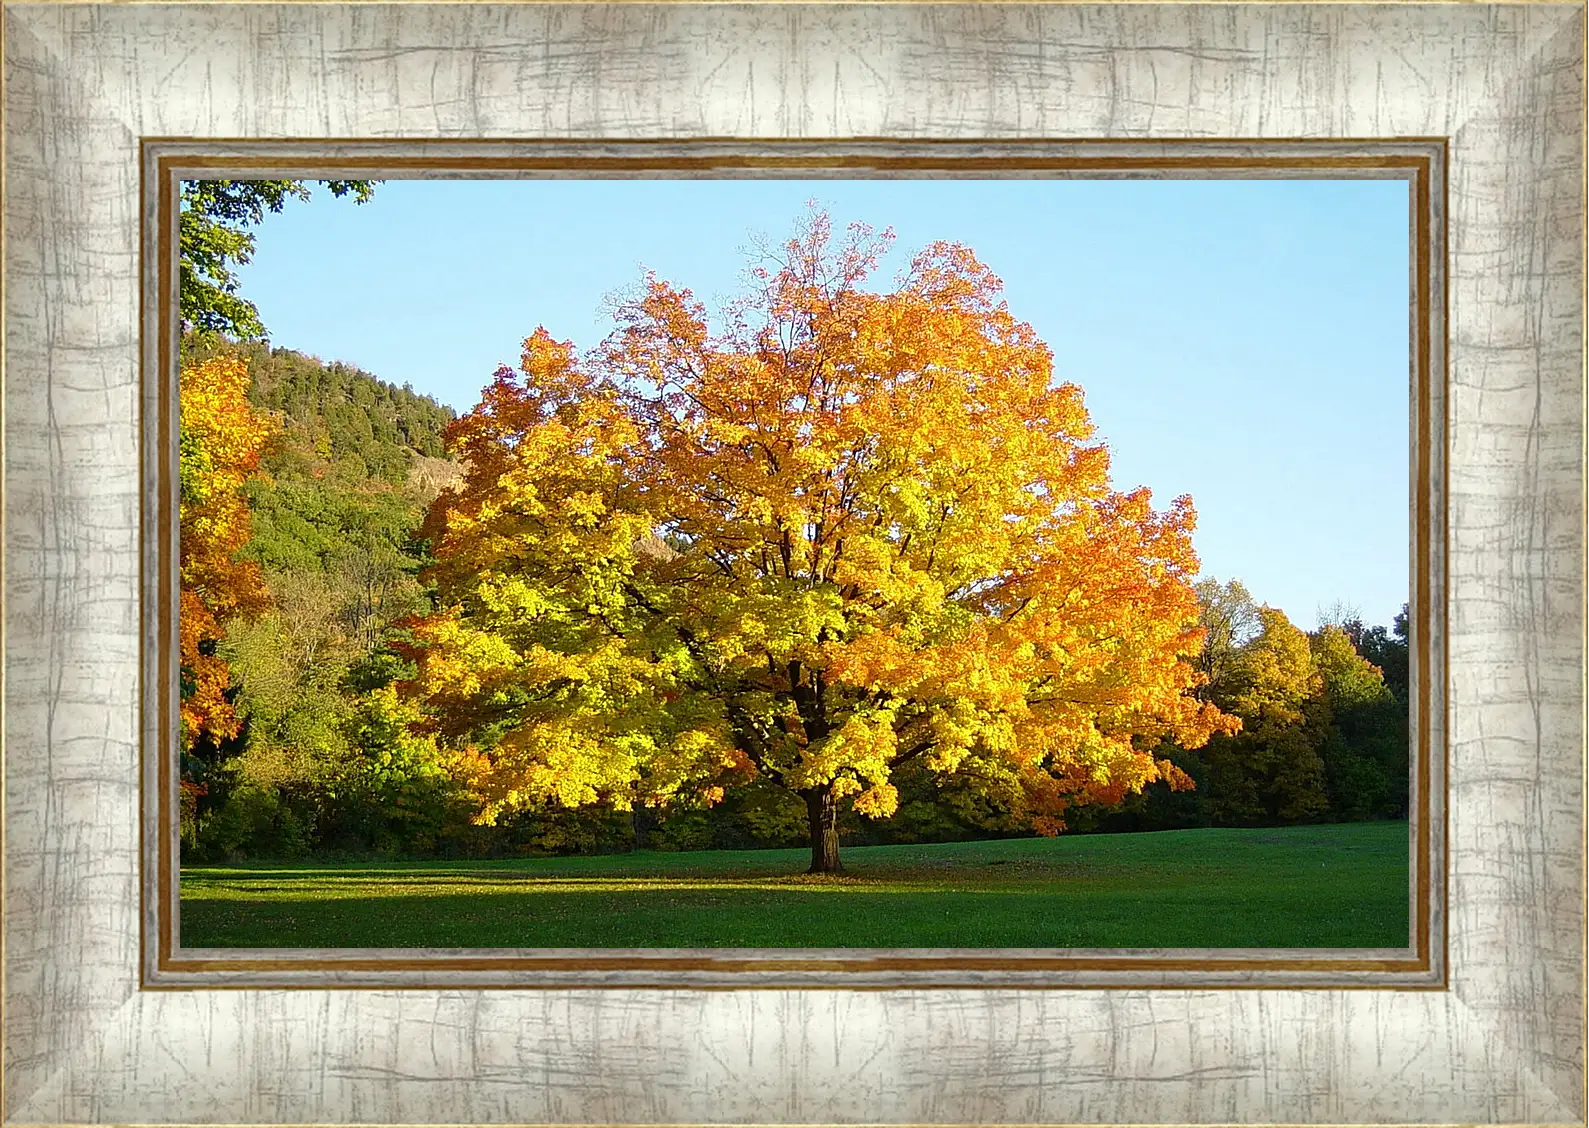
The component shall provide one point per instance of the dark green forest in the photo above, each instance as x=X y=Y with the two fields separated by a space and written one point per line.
x=327 y=762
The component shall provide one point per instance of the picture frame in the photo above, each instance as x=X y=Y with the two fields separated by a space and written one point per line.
x=1419 y=963
x=88 y=1038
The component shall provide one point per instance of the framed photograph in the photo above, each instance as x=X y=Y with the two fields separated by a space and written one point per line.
x=698 y=711
x=764 y=645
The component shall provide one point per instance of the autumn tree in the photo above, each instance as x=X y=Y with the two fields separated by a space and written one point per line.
x=1229 y=618
x=220 y=438
x=219 y=442
x=845 y=532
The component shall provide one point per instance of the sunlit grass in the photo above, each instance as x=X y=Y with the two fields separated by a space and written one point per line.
x=1325 y=886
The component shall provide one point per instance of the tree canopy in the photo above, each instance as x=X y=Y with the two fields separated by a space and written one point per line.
x=846 y=532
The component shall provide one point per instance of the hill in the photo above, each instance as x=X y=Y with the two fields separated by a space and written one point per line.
x=342 y=487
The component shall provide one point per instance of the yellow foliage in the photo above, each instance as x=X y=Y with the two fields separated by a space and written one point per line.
x=852 y=530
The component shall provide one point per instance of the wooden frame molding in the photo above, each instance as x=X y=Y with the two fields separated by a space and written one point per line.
x=1419 y=162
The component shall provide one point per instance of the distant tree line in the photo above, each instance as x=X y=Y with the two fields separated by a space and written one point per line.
x=319 y=756
x=1324 y=733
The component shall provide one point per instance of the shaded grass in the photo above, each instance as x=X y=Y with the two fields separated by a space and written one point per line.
x=1337 y=886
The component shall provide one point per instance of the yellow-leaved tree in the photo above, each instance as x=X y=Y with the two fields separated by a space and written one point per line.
x=843 y=531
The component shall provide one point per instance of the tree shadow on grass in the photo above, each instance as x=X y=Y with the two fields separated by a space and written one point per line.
x=708 y=915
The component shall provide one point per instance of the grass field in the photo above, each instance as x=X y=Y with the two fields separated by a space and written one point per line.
x=1339 y=886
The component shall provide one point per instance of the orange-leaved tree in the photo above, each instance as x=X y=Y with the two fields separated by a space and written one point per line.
x=845 y=531
x=220 y=439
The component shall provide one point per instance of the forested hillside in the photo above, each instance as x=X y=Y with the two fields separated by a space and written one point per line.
x=342 y=483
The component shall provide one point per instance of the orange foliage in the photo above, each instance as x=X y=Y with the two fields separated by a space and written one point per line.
x=220 y=438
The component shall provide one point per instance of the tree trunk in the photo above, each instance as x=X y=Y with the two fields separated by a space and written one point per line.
x=823 y=811
x=644 y=820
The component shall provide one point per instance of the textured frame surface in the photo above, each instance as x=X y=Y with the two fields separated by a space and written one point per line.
x=86 y=83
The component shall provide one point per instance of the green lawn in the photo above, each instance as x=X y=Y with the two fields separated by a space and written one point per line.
x=1339 y=886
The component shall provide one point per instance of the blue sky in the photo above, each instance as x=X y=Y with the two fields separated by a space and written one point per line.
x=1243 y=341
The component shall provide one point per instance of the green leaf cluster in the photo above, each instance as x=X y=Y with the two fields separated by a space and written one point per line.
x=213 y=239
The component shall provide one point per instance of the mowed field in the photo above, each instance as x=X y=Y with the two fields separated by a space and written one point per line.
x=1335 y=886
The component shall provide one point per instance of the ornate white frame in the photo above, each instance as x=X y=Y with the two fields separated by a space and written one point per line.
x=87 y=85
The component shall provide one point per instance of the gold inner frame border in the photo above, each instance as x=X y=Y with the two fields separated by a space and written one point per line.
x=166 y=965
